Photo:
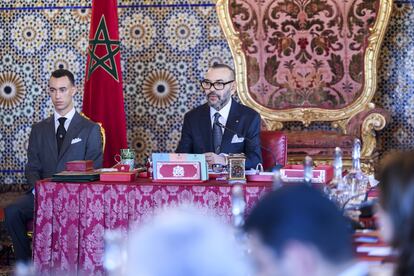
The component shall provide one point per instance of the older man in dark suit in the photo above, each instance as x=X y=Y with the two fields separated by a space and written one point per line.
x=221 y=126
x=63 y=137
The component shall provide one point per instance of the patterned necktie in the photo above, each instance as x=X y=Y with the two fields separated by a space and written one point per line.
x=60 y=133
x=217 y=134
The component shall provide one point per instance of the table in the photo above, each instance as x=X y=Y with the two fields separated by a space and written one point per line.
x=71 y=218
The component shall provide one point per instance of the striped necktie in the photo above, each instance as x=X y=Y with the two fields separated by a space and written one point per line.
x=217 y=134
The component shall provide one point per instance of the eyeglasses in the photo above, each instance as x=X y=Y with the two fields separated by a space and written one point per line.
x=217 y=85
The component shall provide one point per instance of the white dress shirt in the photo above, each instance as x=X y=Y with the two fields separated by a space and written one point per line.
x=68 y=117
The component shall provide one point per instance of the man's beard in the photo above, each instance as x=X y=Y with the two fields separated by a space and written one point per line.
x=221 y=100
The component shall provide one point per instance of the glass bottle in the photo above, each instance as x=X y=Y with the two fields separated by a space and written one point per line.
x=148 y=165
x=337 y=190
x=308 y=170
x=337 y=181
x=277 y=179
x=356 y=181
x=24 y=269
x=238 y=206
x=115 y=254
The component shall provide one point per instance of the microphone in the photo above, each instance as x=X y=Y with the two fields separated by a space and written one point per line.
x=277 y=165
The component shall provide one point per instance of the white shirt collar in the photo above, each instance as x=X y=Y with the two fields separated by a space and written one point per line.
x=224 y=112
x=68 y=117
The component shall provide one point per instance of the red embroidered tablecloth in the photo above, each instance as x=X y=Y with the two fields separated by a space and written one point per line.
x=71 y=218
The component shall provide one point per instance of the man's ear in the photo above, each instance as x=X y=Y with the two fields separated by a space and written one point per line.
x=74 y=90
x=233 y=87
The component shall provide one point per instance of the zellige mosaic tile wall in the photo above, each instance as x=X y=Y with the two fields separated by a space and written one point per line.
x=166 y=48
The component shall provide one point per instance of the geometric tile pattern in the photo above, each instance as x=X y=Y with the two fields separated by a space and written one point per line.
x=166 y=46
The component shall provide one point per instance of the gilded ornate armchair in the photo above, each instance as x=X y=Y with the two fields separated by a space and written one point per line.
x=310 y=61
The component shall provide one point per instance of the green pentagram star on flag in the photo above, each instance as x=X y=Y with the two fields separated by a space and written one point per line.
x=107 y=60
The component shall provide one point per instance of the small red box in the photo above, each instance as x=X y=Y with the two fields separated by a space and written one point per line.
x=79 y=165
x=260 y=177
x=295 y=173
x=118 y=176
x=179 y=170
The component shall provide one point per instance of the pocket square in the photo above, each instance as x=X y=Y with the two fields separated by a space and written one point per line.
x=75 y=140
x=237 y=139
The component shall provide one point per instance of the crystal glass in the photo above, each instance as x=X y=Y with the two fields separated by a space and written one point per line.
x=115 y=255
x=238 y=206
x=308 y=170
x=356 y=181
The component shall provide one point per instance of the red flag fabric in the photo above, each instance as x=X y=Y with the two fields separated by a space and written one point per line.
x=103 y=100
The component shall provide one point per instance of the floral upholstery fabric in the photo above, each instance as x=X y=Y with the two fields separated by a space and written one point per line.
x=304 y=53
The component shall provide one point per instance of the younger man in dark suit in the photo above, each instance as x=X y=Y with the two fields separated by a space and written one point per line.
x=63 y=137
x=203 y=131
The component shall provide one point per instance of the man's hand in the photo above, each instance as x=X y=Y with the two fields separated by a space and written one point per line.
x=213 y=158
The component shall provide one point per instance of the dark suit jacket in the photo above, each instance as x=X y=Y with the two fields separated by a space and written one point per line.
x=197 y=134
x=43 y=158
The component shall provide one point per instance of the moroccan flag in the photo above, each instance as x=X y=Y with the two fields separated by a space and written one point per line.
x=103 y=100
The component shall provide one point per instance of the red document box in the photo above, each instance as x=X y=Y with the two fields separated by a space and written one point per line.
x=178 y=170
x=295 y=173
x=260 y=177
x=118 y=176
x=79 y=165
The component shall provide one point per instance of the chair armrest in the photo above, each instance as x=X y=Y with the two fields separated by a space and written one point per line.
x=364 y=125
x=276 y=144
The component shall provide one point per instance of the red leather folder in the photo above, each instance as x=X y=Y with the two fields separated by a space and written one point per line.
x=118 y=176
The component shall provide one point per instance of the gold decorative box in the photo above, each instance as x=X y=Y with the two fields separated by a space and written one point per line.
x=236 y=167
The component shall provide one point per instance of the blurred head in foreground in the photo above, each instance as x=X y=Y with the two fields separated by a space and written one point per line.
x=185 y=241
x=396 y=212
x=297 y=231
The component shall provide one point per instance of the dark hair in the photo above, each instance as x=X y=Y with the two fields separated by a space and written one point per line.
x=303 y=214
x=397 y=200
x=59 y=73
x=217 y=65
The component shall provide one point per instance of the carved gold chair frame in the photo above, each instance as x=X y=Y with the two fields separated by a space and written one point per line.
x=339 y=118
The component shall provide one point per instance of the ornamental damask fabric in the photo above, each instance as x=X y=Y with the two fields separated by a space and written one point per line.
x=71 y=218
x=166 y=46
x=304 y=53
